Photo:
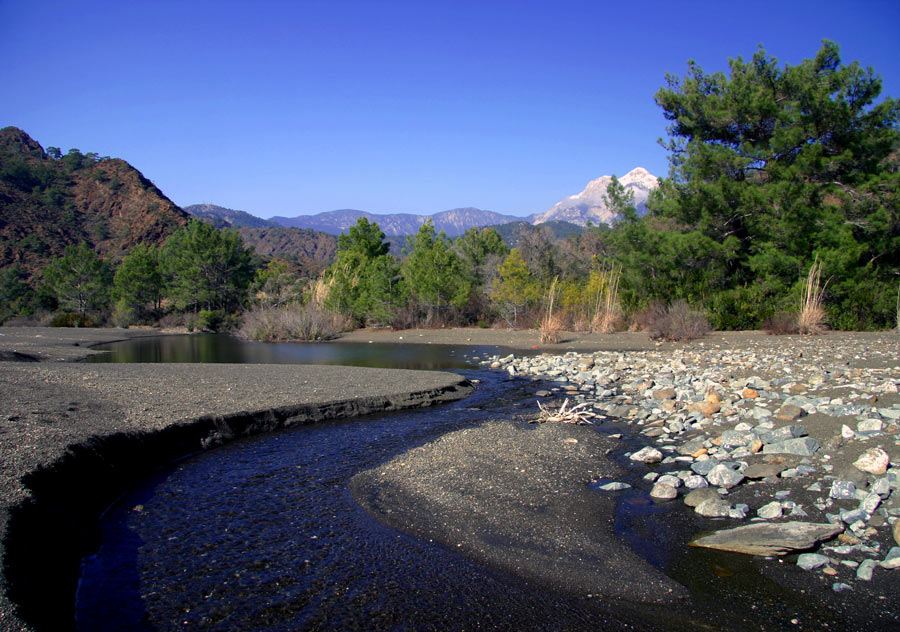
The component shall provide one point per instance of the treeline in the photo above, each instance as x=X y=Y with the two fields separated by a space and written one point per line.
x=775 y=171
x=200 y=275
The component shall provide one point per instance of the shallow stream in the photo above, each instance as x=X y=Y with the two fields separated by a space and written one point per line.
x=263 y=534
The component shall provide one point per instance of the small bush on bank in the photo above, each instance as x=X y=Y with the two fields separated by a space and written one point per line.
x=210 y=320
x=782 y=323
x=898 y=309
x=19 y=321
x=677 y=322
x=277 y=324
x=68 y=319
x=124 y=315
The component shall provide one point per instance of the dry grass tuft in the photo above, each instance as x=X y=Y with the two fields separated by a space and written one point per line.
x=811 y=319
x=677 y=322
x=898 y=309
x=551 y=324
x=608 y=314
x=781 y=324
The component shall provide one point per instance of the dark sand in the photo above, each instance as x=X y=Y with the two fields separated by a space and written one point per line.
x=517 y=499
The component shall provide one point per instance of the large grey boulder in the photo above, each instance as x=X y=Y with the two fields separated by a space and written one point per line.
x=805 y=446
x=768 y=538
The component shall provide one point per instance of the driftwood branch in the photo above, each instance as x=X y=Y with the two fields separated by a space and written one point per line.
x=575 y=415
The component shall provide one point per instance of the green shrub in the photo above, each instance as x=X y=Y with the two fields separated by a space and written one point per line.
x=68 y=319
x=210 y=320
x=124 y=315
x=740 y=308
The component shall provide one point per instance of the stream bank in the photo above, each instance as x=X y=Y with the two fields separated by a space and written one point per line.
x=73 y=437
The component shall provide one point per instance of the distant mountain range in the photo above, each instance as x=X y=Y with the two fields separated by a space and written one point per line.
x=453 y=222
x=587 y=206
x=48 y=201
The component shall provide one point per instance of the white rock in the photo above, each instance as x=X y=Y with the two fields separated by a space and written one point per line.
x=869 y=425
x=723 y=476
x=874 y=461
x=713 y=508
x=865 y=570
x=811 y=561
x=668 y=479
x=770 y=511
x=870 y=503
x=615 y=486
x=695 y=481
x=648 y=454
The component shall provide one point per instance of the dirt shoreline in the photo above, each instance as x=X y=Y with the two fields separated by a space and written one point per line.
x=74 y=436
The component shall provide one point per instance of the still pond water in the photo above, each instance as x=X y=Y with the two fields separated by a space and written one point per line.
x=218 y=348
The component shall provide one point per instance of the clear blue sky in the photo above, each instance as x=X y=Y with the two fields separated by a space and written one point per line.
x=283 y=108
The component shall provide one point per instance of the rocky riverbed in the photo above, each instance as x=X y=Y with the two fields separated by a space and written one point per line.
x=781 y=443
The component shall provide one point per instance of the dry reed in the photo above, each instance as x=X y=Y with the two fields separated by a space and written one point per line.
x=551 y=324
x=607 y=313
x=811 y=319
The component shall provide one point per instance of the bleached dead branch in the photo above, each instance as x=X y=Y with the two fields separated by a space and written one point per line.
x=575 y=415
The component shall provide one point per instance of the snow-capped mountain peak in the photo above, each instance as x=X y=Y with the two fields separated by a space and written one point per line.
x=589 y=205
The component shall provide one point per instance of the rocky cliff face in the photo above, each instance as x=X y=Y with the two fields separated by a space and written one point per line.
x=589 y=205
x=48 y=203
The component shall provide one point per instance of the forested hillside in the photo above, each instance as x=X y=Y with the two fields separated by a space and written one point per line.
x=49 y=201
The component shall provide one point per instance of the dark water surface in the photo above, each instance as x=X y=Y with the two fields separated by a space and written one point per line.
x=220 y=348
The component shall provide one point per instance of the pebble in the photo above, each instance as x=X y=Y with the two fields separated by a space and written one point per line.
x=615 y=486
x=714 y=508
x=770 y=511
x=723 y=476
x=866 y=569
x=811 y=561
